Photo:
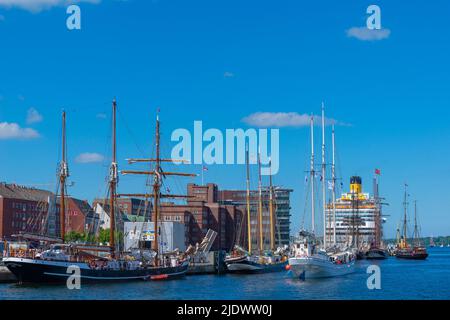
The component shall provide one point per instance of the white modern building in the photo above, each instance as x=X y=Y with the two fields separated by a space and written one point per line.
x=142 y=234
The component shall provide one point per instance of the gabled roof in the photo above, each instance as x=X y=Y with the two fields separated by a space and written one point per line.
x=14 y=191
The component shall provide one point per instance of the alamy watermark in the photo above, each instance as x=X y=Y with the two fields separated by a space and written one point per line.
x=374 y=280
x=212 y=146
x=73 y=22
x=374 y=20
x=74 y=280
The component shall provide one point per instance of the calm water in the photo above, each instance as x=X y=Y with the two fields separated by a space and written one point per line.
x=399 y=280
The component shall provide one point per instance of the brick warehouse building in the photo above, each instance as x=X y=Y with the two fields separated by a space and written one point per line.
x=202 y=212
x=25 y=210
x=282 y=213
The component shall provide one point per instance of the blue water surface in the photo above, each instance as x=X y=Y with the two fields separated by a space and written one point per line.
x=400 y=279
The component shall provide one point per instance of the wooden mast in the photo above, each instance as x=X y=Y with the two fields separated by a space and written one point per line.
x=156 y=192
x=416 y=228
x=377 y=241
x=113 y=183
x=272 y=236
x=63 y=174
x=405 y=204
x=158 y=174
x=261 y=239
x=249 y=226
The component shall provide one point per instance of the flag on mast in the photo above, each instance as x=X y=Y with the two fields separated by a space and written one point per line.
x=378 y=172
x=330 y=185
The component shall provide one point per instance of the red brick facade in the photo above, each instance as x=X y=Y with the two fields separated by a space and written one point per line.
x=203 y=212
x=25 y=210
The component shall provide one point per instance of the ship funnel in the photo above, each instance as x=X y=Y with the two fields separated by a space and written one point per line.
x=355 y=184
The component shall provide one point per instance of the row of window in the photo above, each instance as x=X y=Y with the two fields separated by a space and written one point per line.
x=172 y=218
x=25 y=206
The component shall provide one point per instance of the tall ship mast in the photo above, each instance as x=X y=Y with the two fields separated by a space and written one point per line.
x=263 y=261
x=313 y=178
x=308 y=260
x=95 y=265
x=271 y=211
x=63 y=174
x=377 y=251
x=323 y=178
x=113 y=177
x=414 y=251
x=260 y=206
x=333 y=177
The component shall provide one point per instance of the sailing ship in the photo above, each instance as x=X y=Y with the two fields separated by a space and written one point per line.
x=404 y=250
x=310 y=260
x=262 y=261
x=100 y=263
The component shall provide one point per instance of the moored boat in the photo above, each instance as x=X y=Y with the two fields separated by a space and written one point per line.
x=416 y=253
x=258 y=261
x=309 y=263
x=308 y=260
x=404 y=250
x=101 y=263
x=256 y=264
x=375 y=253
x=61 y=261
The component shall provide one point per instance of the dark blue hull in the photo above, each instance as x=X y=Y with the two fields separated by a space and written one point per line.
x=35 y=271
x=252 y=267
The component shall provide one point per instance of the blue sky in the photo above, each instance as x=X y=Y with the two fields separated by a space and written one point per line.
x=219 y=62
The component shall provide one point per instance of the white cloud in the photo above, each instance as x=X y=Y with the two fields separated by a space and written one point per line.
x=39 y=5
x=89 y=157
x=33 y=116
x=228 y=74
x=10 y=131
x=284 y=119
x=101 y=116
x=365 y=34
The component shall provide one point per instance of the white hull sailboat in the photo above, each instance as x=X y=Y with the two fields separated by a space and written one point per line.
x=322 y=265
x=319 y=266
x=307 y=260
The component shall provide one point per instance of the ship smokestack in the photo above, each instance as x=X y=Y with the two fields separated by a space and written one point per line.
x=355 y=184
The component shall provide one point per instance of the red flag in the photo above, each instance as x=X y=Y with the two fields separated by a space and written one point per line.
x=378 y=172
